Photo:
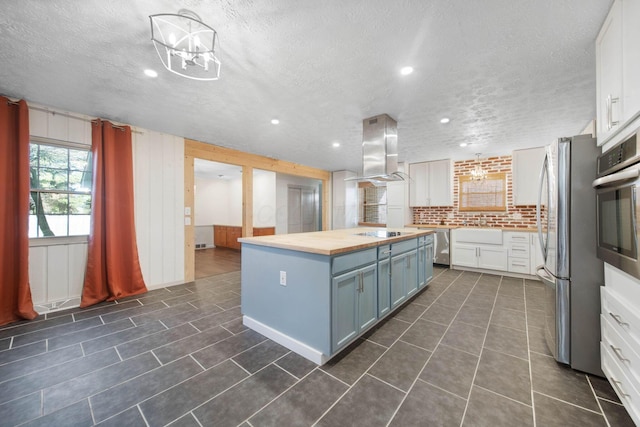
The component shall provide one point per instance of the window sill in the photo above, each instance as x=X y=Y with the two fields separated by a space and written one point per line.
x=56 y=241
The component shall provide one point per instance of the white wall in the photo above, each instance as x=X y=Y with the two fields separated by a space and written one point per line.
x=264 y=198
x=158 y=169
x=211 y=203
x=282 y=184
x=345 y=200
x=219 y=201
x=57 y=266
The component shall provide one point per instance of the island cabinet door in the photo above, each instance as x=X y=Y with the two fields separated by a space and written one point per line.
x=425 y=265
x=384 y=287
x=368 y=297
x=344 y=316
x=428 y=264
x=411 y=272
x=398 y=291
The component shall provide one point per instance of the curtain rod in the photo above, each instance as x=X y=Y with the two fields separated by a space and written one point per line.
x=76 y=117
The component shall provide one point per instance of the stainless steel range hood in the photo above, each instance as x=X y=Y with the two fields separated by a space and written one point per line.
x=379 y=150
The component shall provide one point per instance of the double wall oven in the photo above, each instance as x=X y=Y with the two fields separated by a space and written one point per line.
x=618 y=207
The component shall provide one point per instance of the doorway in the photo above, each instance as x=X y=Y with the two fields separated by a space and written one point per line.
x=302 y=209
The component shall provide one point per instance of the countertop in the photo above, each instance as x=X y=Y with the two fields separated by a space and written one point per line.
x=333 y=242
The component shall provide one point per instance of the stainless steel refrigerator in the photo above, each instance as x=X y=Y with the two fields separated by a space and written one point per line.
x=572 y=273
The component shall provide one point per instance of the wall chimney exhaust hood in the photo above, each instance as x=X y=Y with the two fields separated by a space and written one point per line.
x=379 y=151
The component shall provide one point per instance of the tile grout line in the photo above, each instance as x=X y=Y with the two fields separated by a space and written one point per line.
x=141 y=414
x=530 y=364
x=504 y=396
x=437 y=344
x=475 y=373
x=246 y=420
x=571 y=404
x=239 y=366
x=606 y=420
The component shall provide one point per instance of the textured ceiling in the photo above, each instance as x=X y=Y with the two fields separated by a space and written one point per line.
x=509 y=73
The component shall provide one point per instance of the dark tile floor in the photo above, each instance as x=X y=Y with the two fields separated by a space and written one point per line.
x=468 y=351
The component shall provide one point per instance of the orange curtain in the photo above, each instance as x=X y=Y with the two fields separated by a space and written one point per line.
x=113 y=268
x=15 y=293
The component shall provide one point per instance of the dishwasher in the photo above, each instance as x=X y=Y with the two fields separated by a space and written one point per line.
x=441 y=247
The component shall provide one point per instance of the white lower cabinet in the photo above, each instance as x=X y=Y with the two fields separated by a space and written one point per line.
x=620 y=338
x=491 y=257
x=518 y=252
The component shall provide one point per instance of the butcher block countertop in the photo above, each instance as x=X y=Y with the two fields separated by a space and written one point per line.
x=333 y=242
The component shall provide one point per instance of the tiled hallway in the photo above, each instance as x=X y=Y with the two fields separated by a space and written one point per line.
x=467 y=351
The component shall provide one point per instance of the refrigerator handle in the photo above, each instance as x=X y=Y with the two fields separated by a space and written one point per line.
x=545 y=165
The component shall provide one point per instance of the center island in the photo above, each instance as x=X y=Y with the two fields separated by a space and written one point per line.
x=315 y=293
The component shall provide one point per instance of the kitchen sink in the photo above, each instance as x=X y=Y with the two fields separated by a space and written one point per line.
x=383 y=233
x=479 y=235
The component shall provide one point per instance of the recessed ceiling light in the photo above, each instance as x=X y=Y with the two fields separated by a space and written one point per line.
x=444 y=120
x=275 y=121
x=405 y=71
x=463 y=144
x=150 y=73
x=336 y=144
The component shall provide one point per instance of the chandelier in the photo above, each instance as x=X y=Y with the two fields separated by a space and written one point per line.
x=186 y=45
x=478 y=173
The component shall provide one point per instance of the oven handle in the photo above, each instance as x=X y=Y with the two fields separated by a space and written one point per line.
x=609 y=180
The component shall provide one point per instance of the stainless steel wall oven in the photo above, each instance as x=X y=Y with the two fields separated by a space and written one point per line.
x=618 y=206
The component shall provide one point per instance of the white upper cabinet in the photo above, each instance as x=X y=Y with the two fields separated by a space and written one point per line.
x=431 y=183
x=617 y=68
x=525 y=169
x=631 y=57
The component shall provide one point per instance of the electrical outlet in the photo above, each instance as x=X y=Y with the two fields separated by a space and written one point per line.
x=283 y=278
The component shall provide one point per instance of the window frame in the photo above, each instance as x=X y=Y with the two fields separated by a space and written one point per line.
x=500 y=176
x=63 y=239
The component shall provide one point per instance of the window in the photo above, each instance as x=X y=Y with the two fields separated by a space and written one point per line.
x=60 y=202
x=489 y=194
x=373 y=204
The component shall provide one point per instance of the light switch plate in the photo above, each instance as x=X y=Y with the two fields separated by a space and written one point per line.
x=283 y=278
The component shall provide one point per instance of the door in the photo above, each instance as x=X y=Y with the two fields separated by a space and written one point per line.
x=368 y=297
x=411 y=272
x=398 y=293
x=465 y=255
x=302 y=209
x=547 y=208
x=384 y=287
x=492 y=258
x=345 y=317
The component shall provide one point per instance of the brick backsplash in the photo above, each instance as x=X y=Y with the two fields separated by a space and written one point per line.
x=514 y=217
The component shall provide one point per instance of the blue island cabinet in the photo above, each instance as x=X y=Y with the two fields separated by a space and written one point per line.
x=325 y=302
x=354 y=296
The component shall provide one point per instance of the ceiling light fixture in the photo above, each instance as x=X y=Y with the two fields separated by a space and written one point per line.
x=478 y=173
x=405 y=71
x=275 y=121
x=150 y=73
x=445 y=120
x=186 y=45
x=336 y=144
x=463 y=144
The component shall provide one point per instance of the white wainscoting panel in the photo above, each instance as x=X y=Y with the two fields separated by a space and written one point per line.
x=56 y=275
x=159 y=206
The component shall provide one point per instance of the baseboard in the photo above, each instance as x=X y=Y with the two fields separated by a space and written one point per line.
x=292 y=344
